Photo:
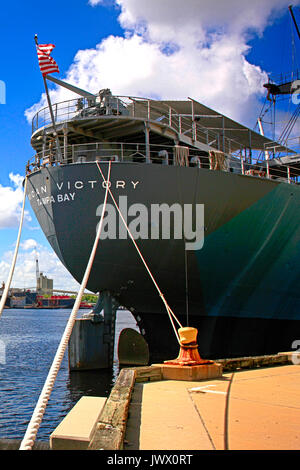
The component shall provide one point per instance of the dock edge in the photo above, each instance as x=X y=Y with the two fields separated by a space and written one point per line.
x=111 y=427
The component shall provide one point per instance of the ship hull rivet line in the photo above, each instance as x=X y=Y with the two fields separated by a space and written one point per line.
x=12 y=268
x=37 y=416
x=168 y=308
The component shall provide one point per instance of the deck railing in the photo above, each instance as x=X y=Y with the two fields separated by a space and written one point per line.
x=140 y=108
x=157 y=154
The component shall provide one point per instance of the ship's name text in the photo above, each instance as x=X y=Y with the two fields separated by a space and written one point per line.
x=68 y=190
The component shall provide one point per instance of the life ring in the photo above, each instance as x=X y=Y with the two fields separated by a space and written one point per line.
x=254 y=172
x=195 y=161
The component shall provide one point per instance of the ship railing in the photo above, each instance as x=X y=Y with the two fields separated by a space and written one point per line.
x=184 y=124
x=140 y=108
x=105 y=151
x=190 y=126
x=290 y=145
x=119 y=152
x=281 y=78
x=85 y=108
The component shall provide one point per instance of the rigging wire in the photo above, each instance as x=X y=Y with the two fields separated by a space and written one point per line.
x=179 y=187
x=168 y=308
x=289 y=126
x=292 y=63
x=186 y=286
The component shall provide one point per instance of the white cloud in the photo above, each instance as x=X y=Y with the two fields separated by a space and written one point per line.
x=11 y=198
x=25 y=269
x=174 y=18
x=174 y=49
x=28 y=244
x=96 y=2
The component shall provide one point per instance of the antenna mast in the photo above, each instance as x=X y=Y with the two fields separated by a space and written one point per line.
x=37 y=268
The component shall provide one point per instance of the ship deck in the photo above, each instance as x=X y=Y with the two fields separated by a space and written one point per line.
x=123 y=128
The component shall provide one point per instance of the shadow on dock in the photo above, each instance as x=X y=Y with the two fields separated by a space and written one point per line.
x=132 y=436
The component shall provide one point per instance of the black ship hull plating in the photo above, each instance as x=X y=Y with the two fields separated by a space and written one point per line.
x=242 y=291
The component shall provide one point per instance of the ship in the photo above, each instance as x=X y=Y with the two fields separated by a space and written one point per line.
x=31 y=300
x=238 y=281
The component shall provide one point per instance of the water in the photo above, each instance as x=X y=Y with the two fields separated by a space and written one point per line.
x=28 y=343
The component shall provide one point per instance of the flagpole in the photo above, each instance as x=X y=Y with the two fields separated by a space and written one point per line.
x=51 y=111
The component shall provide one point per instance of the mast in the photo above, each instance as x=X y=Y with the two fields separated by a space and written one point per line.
x=291 y=87
x=294 y=20
x=267 y=156
x=51 y=111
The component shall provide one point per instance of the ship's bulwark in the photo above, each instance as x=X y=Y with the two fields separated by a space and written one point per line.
x=243 y=291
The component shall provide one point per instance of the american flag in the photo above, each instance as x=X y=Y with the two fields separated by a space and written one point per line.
x=46 y=63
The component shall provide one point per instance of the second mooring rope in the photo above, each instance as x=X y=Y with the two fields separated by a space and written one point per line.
x=168 y=308
x=12 y=268
x=37 y=416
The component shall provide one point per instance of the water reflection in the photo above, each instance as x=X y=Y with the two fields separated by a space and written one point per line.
x=31 y=338
x=90 y=383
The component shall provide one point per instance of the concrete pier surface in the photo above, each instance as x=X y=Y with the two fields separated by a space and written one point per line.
x=256 y=409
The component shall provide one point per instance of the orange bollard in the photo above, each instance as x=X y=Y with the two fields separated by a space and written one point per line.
x=188 y=354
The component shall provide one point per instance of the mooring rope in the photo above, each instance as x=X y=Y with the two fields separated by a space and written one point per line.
x=37 y=416
x=168 y=308
x=12 y=268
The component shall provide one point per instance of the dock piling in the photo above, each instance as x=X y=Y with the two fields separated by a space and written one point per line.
x=91 y=344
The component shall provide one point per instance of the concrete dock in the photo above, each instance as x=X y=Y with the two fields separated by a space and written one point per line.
x=256 y=409
x=253 y=404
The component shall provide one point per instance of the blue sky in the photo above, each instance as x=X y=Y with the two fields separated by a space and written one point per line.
x=213 y=49
x=71 y=25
